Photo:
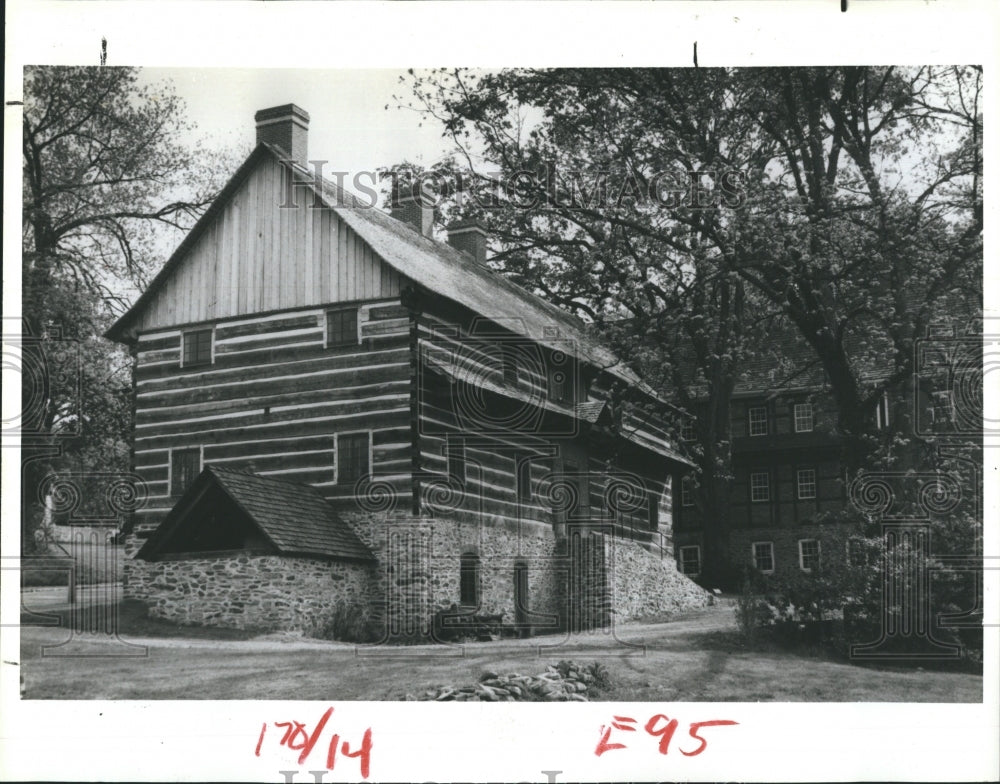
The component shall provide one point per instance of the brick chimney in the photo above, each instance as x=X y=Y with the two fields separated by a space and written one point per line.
x=408 y=207
x=286 y=127
x=469 y=237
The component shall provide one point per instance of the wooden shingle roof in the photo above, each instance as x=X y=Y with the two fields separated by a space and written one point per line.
x=433 y=265
x=294 y=518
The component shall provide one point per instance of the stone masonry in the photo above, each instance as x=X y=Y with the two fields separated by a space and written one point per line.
x=265 y=592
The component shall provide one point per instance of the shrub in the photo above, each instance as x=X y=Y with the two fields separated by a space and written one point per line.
x=348 y=622
x=751 y=609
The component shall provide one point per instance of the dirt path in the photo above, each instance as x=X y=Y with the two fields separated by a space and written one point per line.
x=692 y=658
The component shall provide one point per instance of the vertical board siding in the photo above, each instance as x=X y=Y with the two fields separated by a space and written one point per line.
x=257 y=257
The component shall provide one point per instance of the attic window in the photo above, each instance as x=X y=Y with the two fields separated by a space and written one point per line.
x=560 y=378
x=197 y=348
x=342 y=327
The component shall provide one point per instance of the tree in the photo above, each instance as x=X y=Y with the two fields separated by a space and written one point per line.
x=103 y=168
x=685 y=211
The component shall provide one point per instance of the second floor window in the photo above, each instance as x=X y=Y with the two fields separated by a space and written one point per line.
x=760 y=486
x=803 y=415
x=758 y=420
x=352 y=457
x=687 y=491
x=185 y=465
x=456 y=460
x=688 y=430
x=805 y=481
x=197 y=348
x=342 y=327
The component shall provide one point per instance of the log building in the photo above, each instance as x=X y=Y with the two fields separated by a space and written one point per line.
x=334 y=408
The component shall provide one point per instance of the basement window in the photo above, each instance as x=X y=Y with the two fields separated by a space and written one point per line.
x=197 y=348
x=691 y=560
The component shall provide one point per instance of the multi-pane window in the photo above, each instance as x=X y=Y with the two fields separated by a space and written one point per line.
x=808 y=554
x=758 y=420
x=803 y=415
x=763 y=556
x=197 y=348
x=342 y=327
x=468 y=580
x=456 y=460
x=687 y=491
x=352 y=457
x=691 y=560
x=185 y=465
x=688 y=431
x=805 y=483
x=760 y=486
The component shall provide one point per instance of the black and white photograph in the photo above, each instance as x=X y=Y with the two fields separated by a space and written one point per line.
x=351 y=392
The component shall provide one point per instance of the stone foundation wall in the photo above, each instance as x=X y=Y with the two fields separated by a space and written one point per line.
x=418 y=573
x=643 y=584
x=266 y=592
x=420 y=560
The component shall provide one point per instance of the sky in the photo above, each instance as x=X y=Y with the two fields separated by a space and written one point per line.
x=349 y=125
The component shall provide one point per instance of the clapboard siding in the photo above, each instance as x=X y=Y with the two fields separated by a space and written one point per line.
x=278 y=418
x=257 y=256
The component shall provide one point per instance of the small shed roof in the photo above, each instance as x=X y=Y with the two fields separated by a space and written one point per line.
x=294 y=518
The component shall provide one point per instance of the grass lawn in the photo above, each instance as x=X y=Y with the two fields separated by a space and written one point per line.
x=693 y=659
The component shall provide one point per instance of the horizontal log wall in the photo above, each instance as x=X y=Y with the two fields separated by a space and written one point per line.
x=275 y=398
x=447 y=411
